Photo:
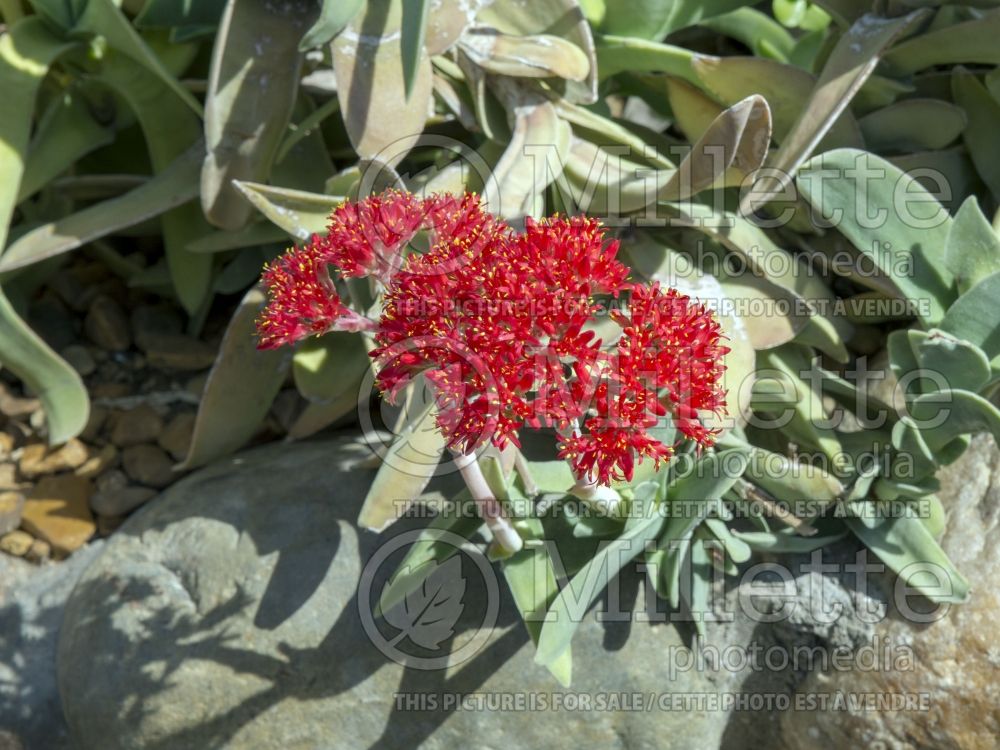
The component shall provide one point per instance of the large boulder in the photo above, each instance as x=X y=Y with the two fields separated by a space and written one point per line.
x=226 y=614
x=954 y=677
x=32 y=599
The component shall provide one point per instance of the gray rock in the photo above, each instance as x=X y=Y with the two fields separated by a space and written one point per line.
x=32 y=598
x=956 y=660
x=226 y=614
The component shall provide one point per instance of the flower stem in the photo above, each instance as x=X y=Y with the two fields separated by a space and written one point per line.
x=489 y=507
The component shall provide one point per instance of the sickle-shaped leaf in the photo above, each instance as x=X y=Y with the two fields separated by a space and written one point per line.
x=532 y=582
x=333 y=17
x=251 y=91
x=67 y=132
x=382 y=121
x=175 y=186
x=758 y=31
x=240 y=388
x=539 y=56
x=972 y=251
x=980 y=135
x=970 y=42
x=558 y=18
x=570 y=606
x=617 y=54
x=407 y=467
x=904 y=544
x=786 y=88
x=916 y=240
x=58 y=385
x=848 y=67
x=27 y=49
x=299 y=213
x=733 y=146
x=913 y=125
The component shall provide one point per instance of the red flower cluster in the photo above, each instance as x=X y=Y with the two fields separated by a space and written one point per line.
x=499 y=323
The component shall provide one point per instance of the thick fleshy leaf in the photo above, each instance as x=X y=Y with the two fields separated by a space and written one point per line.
x=570 y=606
x=251 y=90
x=538 y=149
x=787 y=89
x=176 y=185
x=905 y=545
x=531 y=579
x=974 y=41
x=240 y=388
x=170 y=129
x=411 y=48
x=437 y=542
x=906 y=240
x=913 y=125
x=617 y=54
x=558 y=18
x=325 y=367
x=47 y=375
x=26 y=51
x=825 y=122
x=539 y=56
x=733 y=146
x=103 y=18
x=983 y=112
x=762 y=34
x=407 y=465
x=65 y=133
x=299 y=213
x=973 y=249
x=382 y=121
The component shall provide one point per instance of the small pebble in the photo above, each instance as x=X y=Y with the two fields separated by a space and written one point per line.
x=37 y=459
x=16 y=543
x=176 y=436
x=136 y=426
x=149 y=464
x=11 y=508
x=106 y=325
x=100 y=462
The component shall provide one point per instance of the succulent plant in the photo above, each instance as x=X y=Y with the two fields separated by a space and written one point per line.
x=817 y=171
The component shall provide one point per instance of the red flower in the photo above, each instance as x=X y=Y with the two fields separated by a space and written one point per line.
x=668 y=361
x=499 y=324
x=303 y=301
x=500 y=327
